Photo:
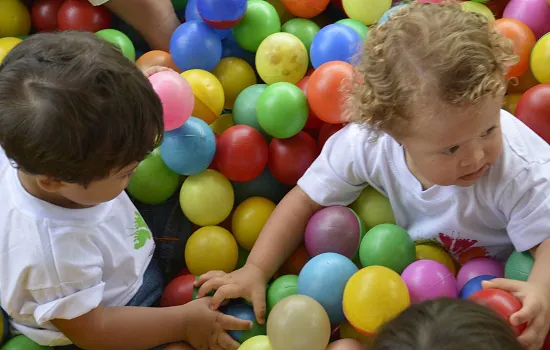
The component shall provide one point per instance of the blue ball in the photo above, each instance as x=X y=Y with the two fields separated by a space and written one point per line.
x=192 y=14
x=189 y=150
x=194 y=45
x=324 y=278
x=388 y=13
x=230 y=48
x=473 y=286
x=335 y=42
x=222 y=10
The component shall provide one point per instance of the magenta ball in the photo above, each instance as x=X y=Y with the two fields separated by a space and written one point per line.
x=429 y=279
x=333 y=229
x=176 y=96
x=534 y=13
x=479 y=267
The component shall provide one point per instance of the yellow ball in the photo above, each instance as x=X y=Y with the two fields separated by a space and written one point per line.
x=511 y=102
x=373 y=207
x=207 y=198
x=366 y=11
x=259 y=342
x=347 y=331
x=282 y=57
x=540 y=59
x=211 y=248
x=209 y=95
x=235 y=75
x=433 y=252
x=373 y=296
x=472 y=6
x=6 y=45
x=249 y=219
x=15 y=19
x=224 y=122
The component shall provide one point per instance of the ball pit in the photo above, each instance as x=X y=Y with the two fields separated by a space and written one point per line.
x=533 y=107
x=211 y=248
x=20 y=342
x=221 y=14
x=429 y=279
x=44 y=15
x=260 y=21
x=367 y=12
x=249 y=218
x=176 y=96
x=235 y=75
x=479 y=267
x=244 y=109
x=81 y=15
x=303 y=29
x=289 y=158
x=179 y=291
x=195 y=45
x=335 y=42
x=502 y=302
x=539 y=60
x=523 y=39
x=192 y=14
x=6 y=45
x=245 y=312
x=15 y=19
x=209 y=94
x=259 y=342
x=281 y=288
x=519 y=266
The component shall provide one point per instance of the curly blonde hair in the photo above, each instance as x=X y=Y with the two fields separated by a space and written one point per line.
x=426 y=53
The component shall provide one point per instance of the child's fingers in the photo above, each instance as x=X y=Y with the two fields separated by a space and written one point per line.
x=508 y=285
x=207 y=276
x=258 y=303
x=223 y=292
x=226 y=342
x=530 y=337
x=525 y=314
x=233 y=323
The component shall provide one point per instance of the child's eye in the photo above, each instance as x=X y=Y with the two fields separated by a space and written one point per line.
x=451 y=151
x=488 y=132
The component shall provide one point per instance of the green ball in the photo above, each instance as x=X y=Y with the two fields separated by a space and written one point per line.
x=282 y=110
x=281 y=288
x=373 y=207
x=519 y=266
x=387 y=245
x=121 y=40
x=303 y=29
x=243 y=256
x=21 y=342
x=153 y=182
x=179 y=4
x=358 y=26
x=362 y=232
x=4 y=327
x=244 y=108
x=259 y=21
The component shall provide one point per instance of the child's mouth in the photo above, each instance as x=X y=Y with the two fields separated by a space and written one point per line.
x=476 y=175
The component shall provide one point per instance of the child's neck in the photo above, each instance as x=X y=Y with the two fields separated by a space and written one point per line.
x=425 y=183
x=30 y=184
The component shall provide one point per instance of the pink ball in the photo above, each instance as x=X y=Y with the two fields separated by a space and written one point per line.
x=176 y=96
x=534 y=13
x=429 y=279
x=479 y=267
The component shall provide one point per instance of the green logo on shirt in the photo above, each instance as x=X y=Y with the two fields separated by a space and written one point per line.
x=142 y=233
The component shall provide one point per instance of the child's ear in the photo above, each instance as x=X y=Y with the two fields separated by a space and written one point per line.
x=49 y=184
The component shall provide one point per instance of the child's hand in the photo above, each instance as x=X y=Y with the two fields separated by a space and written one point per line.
x=155 y=69
x=206 y=328
x=535 y=310
x=248 y=282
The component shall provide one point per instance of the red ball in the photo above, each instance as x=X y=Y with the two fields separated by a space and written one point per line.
x=179 y=291
x=502 y=302
x=534 y=110
x=81 y=15
x=290 y=158
x=241 y=153
x=44 y=15
x=326 y=131
x=312 y=121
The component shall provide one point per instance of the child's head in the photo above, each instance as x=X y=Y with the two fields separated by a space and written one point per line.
x=433 y=77
x=76 y=115
x=446 y=324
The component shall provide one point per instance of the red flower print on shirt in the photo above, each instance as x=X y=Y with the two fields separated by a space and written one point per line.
x=463 y=249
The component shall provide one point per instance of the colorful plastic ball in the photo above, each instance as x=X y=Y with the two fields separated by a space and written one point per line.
x=360 y=28
x=324 y=91
x=44 y=15
x=222 y=14
x=20 y=342
x=281 y=57
x=176 y=96
x=367 y=12
x=303 y=29
x=474 y=285
x=523 y=40
x=230 y=48
x=192 y=14
x=156 y=58
x=540 y=56
x=477 y=7
x=298 y=322
x=347 y=331
x=284 y=14
x=224 y=122
x=153 y=182
x=195 y=45
x=209 y=94
x=281 y=288
x=207 y=198
x=333 y=229
x=249 y=219
x=290 y=158
x=518 y=266
x=373 y=207
x=305 y=9
x=346 y=344
x=15 y=19
x=324 y=278
x=534 y=13
x=121 y=40
x=179 y=291
x=325 y=132
x=502 y=302
x=511 y=102
x=429 y=279
x=244 y=312
x=387 y=245
x=388 y=13
x=81 y=15
x=479 y=267
x=260 y=21
x=6 y=45
x=259 y=342
x=335 y=42
x=534 y=110
x=235 y=75
x=436 y=253
x=373 y=296
x=211 y=248
x=294 y=264
x=4 y=326
x=244 y=109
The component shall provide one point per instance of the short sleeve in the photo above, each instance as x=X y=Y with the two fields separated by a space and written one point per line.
x=526 y=205
x=333 y=178
x=98 y=2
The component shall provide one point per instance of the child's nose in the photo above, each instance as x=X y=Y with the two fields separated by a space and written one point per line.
x=476 y=157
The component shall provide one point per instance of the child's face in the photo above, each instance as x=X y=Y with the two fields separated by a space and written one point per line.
x=454 y=145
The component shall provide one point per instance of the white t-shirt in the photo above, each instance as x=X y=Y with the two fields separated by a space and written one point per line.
x=61 y=263
x=508 y=208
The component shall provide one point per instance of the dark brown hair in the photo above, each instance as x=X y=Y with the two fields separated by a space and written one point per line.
x=446 y=324
x=73 y=108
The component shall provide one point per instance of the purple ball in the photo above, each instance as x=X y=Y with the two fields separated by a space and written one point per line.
x=333 y=229
x=429 y=279
x=479 y=267
x=534 y=13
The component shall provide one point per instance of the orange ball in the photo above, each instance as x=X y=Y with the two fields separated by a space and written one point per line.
x=156 y=58
x=523 y=40
x=296 y=262
x=305 y=8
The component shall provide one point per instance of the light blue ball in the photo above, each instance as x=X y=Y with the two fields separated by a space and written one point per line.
x=190 y=149
x=324 y=278
x=335 y=42
x=388 y=13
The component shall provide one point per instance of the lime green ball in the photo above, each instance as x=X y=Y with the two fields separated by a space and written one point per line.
x=387 y=245
x=244 y=108
x=519 y=266
x=281 y=288
x=21 y=342
x=259 y=21
x=303 y=29
x=358 y=26
x=373 y=207
x=243 y=256
x=120 y=40
x=153 y=182
x=282 y=110
x=179 y=4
